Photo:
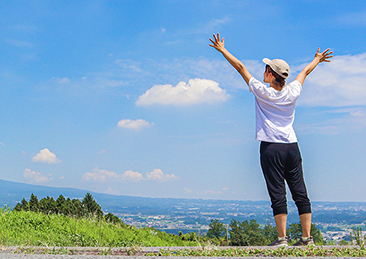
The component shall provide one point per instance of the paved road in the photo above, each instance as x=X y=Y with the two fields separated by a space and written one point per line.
x=93 y=253
x=40 y=256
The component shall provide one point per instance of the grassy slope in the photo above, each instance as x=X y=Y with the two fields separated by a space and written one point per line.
x=36 y=229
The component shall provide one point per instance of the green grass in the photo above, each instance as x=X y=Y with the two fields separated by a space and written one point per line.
x=26 y=228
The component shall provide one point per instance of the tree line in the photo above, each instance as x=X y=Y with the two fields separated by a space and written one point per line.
x=87 y=207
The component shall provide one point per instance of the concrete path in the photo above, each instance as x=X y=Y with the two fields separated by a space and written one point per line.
x=115 y=253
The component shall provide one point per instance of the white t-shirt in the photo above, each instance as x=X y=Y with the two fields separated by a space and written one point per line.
x=275 y=111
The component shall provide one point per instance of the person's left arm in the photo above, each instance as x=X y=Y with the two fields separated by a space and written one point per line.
x=319 y=57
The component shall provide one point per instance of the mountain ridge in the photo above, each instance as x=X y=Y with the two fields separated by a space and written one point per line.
x=12 y=192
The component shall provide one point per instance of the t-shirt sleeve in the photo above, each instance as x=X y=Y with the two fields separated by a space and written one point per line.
x=295 y=87
x=258 y=88
x=251 y=84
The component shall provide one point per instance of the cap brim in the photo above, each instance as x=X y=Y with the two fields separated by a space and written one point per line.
x=266 y=61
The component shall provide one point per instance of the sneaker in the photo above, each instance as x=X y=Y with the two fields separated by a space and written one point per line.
x=280 y=241
x=305 y=242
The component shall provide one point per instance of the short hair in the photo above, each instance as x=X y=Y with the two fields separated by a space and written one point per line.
x=279 y=79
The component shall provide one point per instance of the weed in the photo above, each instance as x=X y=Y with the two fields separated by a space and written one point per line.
x=106 y=251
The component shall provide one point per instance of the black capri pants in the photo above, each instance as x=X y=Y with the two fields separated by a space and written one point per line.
x=280 y=162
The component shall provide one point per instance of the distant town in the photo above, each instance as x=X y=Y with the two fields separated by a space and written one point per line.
x=335 y=220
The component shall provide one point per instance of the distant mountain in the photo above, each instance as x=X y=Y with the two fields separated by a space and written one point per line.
x=12 y=192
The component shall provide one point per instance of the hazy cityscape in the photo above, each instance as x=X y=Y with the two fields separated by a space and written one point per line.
x=335 y=220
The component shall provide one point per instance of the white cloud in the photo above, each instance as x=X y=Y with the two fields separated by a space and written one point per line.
x=132 y=176
x=337 y=84
x=128 y=176
x=36 y=177
x=158 y=175
x=99 y=175
x=134 y=124
x=195 y=92
x=46 y=156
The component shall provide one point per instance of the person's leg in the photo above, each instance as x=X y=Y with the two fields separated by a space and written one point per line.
x=295 y=180
x=305 y=220
x=272 y=163
x=281 y=221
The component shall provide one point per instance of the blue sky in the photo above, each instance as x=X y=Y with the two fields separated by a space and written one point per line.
x=126 y=97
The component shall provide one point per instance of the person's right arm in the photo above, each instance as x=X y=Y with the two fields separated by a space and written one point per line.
x=239 y=66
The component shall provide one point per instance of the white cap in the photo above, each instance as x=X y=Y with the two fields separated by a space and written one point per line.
x=279 y=66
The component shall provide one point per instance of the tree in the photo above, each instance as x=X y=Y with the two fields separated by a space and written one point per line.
x=25 y=205
x=18 y=207
x=60 y=204
x=33 y=203
x=217 y=229
x=113 y=219
x=270 y=232
x=45 y=205
x=79 y=209
x=92 y=206
x=246 y=233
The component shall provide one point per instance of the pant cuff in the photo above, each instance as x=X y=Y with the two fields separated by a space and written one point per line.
x=279 y=210
x=304 y=209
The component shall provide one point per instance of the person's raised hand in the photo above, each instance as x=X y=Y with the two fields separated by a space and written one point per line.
x=325 y=56
x=217 y=43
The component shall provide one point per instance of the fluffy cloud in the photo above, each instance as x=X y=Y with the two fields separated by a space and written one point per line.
x=46 y=156
x=36 y=177
x=337 y=84
x=132 y=176
x=196 y=91
x=134 y=124
x=129 y=176
x=158 y=175
x=99 y=175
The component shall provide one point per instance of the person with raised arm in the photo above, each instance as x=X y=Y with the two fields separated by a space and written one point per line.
x=280 y=155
